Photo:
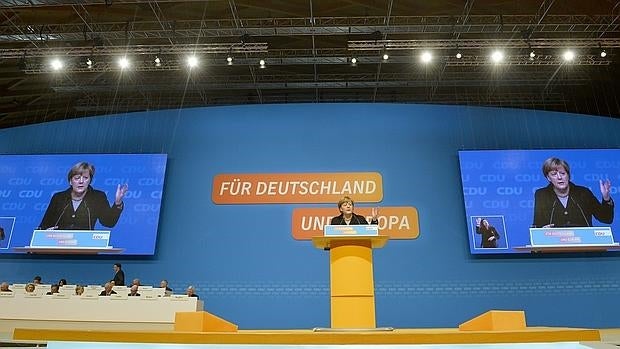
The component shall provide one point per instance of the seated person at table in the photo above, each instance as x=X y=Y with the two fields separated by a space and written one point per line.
x=79 y=290
x=190 y=292
x=133 y=291
x=53 y=289
x=107 y=290
x=4 y=287
x=164 y=284
x=29 y=288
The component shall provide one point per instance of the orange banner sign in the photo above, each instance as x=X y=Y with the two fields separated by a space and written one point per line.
x=396 y=222
x=296 y=188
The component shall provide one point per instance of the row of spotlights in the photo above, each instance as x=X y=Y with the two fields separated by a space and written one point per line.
x=497 y=56
x=426 y=57
x=124 y=63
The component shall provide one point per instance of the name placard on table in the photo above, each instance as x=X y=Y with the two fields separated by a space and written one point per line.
x=70 y=239
x=351 y=230
x=575 y=236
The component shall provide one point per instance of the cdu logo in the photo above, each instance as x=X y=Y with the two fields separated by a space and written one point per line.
x=26 y=194
x=20 y=181
x=509 y=190
x=492 y=178
x=495 y=204
x=150 y=181
x=134 y=194
x=467 y=191
x=524 y=177
x=53 y=181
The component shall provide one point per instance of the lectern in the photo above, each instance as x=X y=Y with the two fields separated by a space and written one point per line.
x=352 y=288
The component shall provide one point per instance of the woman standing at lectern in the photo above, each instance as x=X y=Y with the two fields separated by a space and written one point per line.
x=347 y=217
x=80 y=206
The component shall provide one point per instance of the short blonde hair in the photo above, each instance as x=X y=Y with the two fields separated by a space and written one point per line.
x=80 y=168
x=344 y=200
x=554 y=164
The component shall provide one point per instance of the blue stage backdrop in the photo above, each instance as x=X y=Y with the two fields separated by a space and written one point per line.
x=243 y=259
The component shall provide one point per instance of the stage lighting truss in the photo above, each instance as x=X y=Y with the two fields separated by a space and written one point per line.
x=141 y=56
x=476 y=51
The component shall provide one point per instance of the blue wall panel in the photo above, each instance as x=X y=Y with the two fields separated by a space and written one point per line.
x=248 y=268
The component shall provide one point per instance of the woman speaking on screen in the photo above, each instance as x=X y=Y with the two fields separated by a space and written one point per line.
x=565 y=204
x=80 y=206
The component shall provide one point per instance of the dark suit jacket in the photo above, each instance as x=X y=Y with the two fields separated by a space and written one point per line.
x=103 y=293
x=355 y=220
x=119 y=278
x=93 y=207
x=582 y=205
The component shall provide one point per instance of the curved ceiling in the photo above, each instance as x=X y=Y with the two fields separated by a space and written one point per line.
x=314 y=51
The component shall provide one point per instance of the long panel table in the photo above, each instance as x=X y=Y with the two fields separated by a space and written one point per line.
x=93 y=312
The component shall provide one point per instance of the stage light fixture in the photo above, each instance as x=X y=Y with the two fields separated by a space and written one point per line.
x=89 y=63
x=603 y=54
x=123 y=63
x=386 y=56
x=229 y=59
x=262 y=64
x=532 y=54
x=353 y=60
x=157 y=61
x=56 y=64
x=497 y=56
x=192 y=61
x=568 y=55
x=459 y=55
x=426 y=57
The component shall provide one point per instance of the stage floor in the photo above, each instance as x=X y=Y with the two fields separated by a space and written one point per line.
x=301 y=337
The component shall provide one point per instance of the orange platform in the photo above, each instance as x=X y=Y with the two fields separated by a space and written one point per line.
x=398 y=336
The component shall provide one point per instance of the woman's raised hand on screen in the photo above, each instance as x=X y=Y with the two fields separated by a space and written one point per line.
x=605 y=188
x=121 y=190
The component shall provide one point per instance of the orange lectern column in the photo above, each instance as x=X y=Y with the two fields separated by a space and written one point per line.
x=352 y=287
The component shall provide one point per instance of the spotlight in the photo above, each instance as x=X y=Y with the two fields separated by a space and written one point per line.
x=229 y=59
x=56 y=64
x=123 y=63
x=353 y=60
x=532 y=54
x=157 y=61
x=459 y=55
x=568 y=55
x=497 y=56
x=603 y=54
x=89 y=63
x=385 y=56
x=426 y=57
x=262 y=63
x=192 y=61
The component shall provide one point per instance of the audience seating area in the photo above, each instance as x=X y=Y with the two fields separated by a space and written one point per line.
x=153 y=309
